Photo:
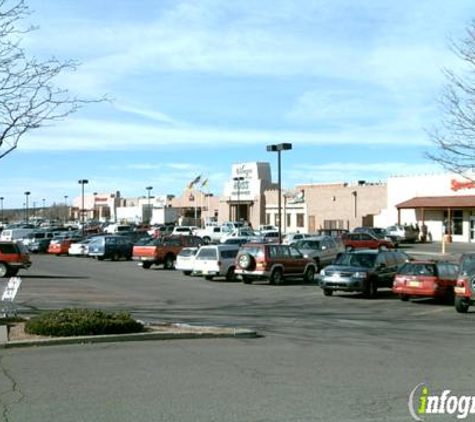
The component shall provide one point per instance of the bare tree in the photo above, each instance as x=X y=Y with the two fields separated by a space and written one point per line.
x=28 y=97
x=454 y=138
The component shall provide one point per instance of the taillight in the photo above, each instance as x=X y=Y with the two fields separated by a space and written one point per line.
x=461 y=282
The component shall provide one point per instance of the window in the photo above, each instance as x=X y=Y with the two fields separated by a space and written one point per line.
x=456 y=223
x=267 y=218
x=295 y=253
x=289 y=220
x=207 y=253
x=300 y=220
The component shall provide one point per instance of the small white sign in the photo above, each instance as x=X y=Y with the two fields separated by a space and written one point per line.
x=11 y=289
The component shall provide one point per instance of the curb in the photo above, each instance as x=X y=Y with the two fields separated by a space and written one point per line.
x=171 y=335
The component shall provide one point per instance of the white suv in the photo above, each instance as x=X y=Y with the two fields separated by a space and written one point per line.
x=216 y=260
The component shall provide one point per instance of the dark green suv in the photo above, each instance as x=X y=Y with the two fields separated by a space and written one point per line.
x=362 y=271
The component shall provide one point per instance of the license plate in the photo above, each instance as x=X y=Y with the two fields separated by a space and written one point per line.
x=414 y=283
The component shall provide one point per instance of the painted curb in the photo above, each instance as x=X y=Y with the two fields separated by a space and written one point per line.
x=171 y=335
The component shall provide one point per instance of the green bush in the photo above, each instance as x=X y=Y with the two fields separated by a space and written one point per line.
x=82 y=322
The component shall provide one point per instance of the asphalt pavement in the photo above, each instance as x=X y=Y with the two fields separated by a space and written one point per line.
x=343 y=358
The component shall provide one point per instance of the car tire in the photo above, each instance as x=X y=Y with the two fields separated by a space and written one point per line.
x=461 y=304
x=247 y=280
x=146 y=265
x=449 y=296
x=99 y=258
x=276 y=277
x=4 y=272
x=187 y=273
x=327 y=292
x=246 y=261
x=404 y=298
x=209 y=277
x=230 y=275
x=168 y=264
x=206 y=240
x=318 y=264
x=13 y=272
x=115 y=256
x=309 y=276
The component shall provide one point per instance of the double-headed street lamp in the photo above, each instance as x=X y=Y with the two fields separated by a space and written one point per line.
x=278 y=148
x=27 y=217
x=82 y=182
x=149 y=212
x=238 y=181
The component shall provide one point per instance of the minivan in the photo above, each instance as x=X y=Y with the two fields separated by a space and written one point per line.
x=110 y=246
x=215 y=261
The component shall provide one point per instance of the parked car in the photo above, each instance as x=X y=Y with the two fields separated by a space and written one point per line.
x=377 y=232
x=38 y=241
x=185 y=260
x=274 y=263
x=365 y=241
x=112 y=247
x=163 y=250
x=426 y=279
x=212 y=233
x=241 y=232
x=363 y=271
x=338 y=233
x=60 y=245
x=289 y=238
x=322 y=249
x=465 y=287
x=403 y=233
x=236 y=241
x=80 y=248
x=265 y=237
x=184 y=230
x=266 y=228
x=161 y=230
x=13 y=257
x=216 y=261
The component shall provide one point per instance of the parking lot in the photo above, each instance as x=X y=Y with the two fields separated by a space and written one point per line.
x=320 y=358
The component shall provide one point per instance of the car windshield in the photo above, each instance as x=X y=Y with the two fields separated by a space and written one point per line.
x=417 y=269
x=308 y=244
x=187 y=252
x=356 y=259
x=207 y=253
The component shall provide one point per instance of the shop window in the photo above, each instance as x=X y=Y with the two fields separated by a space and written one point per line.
x=456 y=223
x=289 y=220
x=300 y=220
x=268 y=218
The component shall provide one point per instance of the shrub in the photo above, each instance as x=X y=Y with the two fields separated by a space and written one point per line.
x=82 y=322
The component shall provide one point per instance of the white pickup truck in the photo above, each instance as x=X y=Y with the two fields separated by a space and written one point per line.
x=212 y=234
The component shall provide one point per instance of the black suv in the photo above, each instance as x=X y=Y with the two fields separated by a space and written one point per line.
x=362 y=271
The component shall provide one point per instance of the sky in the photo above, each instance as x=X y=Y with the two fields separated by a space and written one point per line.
x=198 y=85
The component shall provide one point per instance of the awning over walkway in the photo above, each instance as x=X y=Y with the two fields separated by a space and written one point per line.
x=438 y=202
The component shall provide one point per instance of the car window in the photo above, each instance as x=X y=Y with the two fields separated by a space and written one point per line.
x=294 y=252
x=410 y=268
x=356 y=260
x=207 y=253
x=228 y=254
x=172 y=241
x=7 y=248
x=467 y=264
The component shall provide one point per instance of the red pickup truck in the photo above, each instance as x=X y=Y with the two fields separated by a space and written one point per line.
x=163 y=250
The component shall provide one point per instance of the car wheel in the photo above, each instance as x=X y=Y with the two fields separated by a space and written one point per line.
x=208 y=277
x=169 y=260
x=404 y=298
x=146 y=265
x=13 y=272
x=246 y=261
x=327 y=292
x=187 y=272
x=349 y=248
x=309 y=276
x=449 y=296
x=461 y=305
x=100 y=258
x=115 y=256
x=276 y=277
x=206 y=240
x=318 y=264
x=246 y=280
x=3 y=269
x=230 y=276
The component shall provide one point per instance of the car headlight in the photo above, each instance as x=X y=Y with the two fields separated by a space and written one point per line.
x=322 y=271
x=360 y=274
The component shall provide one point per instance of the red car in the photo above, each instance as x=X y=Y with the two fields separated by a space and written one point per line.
x=365 y=241
x=60 y=245
x=13 y=257
x=465 y=288
x=426 y=279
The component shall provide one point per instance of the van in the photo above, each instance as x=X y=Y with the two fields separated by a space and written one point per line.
x=110 y=246
x=15 y=234
x=216 y=261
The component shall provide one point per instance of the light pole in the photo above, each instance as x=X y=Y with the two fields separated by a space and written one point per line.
x=238 y=181
x=149 y=213
x=65 y=208
x=279 y=148
x=82 y=182
x=94 y=208
x=1 y=209
x=44 y=207
x=27 y=217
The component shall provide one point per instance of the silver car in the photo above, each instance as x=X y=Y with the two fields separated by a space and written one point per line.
x=322 y=249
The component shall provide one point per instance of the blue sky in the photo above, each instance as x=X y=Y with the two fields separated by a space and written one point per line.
x=198 y=85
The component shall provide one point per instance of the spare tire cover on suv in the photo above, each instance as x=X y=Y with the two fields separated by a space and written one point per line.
x=246 y=261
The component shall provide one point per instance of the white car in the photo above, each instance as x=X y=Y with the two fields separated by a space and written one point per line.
x=289 y=238
x=79 y=248
x=185 y=260
x=215 y=261
x=244 y=232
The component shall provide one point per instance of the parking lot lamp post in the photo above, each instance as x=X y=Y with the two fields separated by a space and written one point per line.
x=149 y=213
x=1 y=209
x=65 y=208
x=238 y=181
x=279 y=148
x=82 y=182
x=27 y=218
